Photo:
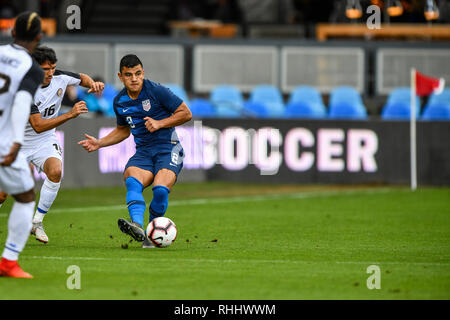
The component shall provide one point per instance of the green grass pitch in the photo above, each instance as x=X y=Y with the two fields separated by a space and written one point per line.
x=245 y=242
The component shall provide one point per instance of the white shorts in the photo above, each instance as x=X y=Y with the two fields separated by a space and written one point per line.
x=40 y=153
x=16 y=178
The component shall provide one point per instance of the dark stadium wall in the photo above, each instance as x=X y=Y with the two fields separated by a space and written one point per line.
x=275 y=151
x=345 y=152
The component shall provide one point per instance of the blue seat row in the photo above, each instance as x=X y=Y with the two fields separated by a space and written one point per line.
x=266 y=101
x=345 y=102
x=398 y=106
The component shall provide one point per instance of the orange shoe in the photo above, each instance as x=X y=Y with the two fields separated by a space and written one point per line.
x=9 y=268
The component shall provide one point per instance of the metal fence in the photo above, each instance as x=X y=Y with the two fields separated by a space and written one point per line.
x=240 y=66
x=322 y=67
x=374 y=68
x=394 y=65
x=164 y=63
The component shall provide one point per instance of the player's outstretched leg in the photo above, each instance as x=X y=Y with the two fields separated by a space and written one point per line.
x=49 y=190
x=19 y=226
x=48 y=194
x=136 y=208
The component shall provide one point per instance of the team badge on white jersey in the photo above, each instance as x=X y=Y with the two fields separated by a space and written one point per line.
x=146 y=105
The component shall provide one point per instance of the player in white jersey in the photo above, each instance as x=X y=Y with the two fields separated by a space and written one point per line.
x=20 y=76
x=41 y=146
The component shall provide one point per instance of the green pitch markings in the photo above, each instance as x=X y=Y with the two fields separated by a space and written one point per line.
x=249 y=241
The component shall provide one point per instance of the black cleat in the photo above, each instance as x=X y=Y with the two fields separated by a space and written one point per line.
x=133 y=229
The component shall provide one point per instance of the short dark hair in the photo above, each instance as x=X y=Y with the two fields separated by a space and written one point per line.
x=44 y=54
x=129 y=61
x=27 y=26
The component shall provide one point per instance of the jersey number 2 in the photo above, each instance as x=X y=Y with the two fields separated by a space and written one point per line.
x=5 y=86
x=6 y=83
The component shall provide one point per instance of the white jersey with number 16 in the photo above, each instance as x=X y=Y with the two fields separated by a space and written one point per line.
x=47 y=102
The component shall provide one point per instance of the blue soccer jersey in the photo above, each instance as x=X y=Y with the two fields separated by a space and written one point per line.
x=154 y=101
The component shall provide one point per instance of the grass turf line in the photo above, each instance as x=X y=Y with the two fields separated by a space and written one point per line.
x=316 y=247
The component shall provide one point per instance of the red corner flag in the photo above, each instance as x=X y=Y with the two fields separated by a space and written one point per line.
x=428 y=85
x=421 y=85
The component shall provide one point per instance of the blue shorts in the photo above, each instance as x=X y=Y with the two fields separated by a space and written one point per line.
x=160 y=156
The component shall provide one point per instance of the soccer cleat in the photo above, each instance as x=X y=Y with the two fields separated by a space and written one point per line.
x=38 y=230
x=12 y=269
x=133 y=229
x=147 y=243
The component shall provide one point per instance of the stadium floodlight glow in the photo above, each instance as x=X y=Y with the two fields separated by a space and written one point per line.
x=394 y=8
x=431 y=10
x=353 y=10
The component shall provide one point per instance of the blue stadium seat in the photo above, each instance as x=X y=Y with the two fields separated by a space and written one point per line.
x=305 y=93
x=437 y=111
x=202 y=108
x=401 y=94
x=178 y=91
x=227 y=100
x=271 y=97
x=100 y=103
x=305 y=102
x=398 y=110
x=81 y=92
x=256 y=109
x=110 y=92
x=346 y=103
x=345 y=93
x=444 y=96
x=305 y=109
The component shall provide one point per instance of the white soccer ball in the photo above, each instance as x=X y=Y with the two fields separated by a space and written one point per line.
x=162 y=232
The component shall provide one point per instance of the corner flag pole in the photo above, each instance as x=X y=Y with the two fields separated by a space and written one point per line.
x=413 y=131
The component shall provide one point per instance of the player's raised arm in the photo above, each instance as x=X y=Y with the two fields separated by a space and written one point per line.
x=119 y=134
x=93 y=86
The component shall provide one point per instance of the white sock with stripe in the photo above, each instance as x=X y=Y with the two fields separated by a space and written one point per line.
x=19 y=227
x=48 y=194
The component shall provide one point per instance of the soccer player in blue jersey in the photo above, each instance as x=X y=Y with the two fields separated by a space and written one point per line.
x=150 y=112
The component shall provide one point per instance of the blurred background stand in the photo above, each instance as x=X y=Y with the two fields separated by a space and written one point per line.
x=203 y=28
x=48 y=26
x=325 y=31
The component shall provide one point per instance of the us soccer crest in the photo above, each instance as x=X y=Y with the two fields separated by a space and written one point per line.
x=146 y=104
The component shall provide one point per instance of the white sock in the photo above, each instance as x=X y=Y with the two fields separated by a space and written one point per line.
x=19 y=227
x=1 y=205
x=48 y=194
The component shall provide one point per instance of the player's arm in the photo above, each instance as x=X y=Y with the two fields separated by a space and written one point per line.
x=41 y=125
x=119 y=134
x=75 y=79
x=93 y=86
x=181 y=115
